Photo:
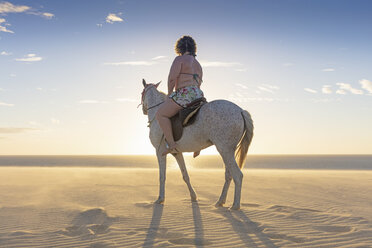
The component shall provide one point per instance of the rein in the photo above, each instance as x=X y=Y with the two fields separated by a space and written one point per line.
x=150 y=122
x=154 y=106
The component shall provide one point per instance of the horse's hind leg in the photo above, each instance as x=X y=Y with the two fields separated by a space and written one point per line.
x=185 y=175
x=226 y=186
x=237 y=175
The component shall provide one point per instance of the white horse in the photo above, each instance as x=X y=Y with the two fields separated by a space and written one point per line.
x=220 y=123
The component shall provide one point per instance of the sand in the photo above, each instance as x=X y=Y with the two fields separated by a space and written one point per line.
x=111 y=207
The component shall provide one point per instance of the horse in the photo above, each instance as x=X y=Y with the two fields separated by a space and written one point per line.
x=220 y=123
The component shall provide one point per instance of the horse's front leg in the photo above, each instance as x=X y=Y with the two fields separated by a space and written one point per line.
x=162 y=161
x=185 y=175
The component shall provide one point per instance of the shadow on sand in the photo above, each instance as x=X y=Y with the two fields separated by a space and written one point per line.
x=244 y=227
x=157 y=212
x=241 y=224
x=154 y=228
x=198 y=226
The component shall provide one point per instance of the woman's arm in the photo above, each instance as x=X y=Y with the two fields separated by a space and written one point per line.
x=173 y=74
x=201 y=76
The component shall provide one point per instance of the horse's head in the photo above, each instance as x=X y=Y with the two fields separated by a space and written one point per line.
x=144 y=99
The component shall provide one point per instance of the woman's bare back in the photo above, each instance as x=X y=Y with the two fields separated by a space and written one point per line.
x=186 y=66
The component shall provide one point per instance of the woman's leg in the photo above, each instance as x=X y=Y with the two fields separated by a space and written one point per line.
x=168 y=109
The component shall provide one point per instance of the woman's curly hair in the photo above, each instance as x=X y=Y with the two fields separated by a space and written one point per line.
x=185 y=44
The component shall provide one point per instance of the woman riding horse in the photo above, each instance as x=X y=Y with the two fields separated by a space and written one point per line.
x=185 y=77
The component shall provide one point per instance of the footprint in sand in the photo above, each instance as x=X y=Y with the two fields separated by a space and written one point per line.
x=89 y=223
x=333 y=229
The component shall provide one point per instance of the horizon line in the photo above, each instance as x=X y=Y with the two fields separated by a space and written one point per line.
x=256 y=154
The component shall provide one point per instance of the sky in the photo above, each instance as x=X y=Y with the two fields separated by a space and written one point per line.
x=71 y=71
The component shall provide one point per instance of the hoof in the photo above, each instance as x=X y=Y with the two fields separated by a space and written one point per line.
x=219 y=204
x=235 y=207
x=159 y=201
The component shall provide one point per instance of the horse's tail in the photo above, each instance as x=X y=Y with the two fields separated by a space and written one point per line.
x=243 y=145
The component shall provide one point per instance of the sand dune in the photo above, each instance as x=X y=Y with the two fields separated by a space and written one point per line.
x=98 y=208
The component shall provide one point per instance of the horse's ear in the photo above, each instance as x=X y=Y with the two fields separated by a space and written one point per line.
x=156 y=85
x=144 y=82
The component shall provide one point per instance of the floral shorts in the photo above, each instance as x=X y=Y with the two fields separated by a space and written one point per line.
x=184 y=96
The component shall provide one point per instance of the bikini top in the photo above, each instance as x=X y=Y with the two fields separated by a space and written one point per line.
x=194 y=76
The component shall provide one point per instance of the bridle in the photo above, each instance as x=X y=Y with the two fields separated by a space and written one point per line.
x=143 y=97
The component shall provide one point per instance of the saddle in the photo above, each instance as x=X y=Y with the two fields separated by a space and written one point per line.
x=186 y=117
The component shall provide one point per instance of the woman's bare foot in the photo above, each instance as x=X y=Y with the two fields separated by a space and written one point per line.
x=196 y=154
x=171 y=149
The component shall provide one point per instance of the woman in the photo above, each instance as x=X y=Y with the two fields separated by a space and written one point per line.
x=185 y=77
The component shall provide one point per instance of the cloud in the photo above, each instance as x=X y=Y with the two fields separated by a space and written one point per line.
x=251 y=99
x=265 y=89
x=2 y=26
x=341 y=92
x=158 y=57
x=242 y=86
x=125 y=100
x=111 y=18
x=219 y=64
x=91 y=101
x=30 y=58
x=367 y=85
x=328 y=69
x=48 y=15
x=310 y=90
x=241 y=69
x=326 y=89
x=16 y=129
x=325 y=100
x=133 y=63
x=4 y=53
x=268 y=88
x=273 y=87
x=42 y=14
x=347 y=87
x=6 y=104
x=6 y=7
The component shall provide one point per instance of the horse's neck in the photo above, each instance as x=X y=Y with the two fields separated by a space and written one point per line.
x=155 y=97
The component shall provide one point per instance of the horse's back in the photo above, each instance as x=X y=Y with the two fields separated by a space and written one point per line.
x=221 y=109
x=222 y=120
x=219 y=122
